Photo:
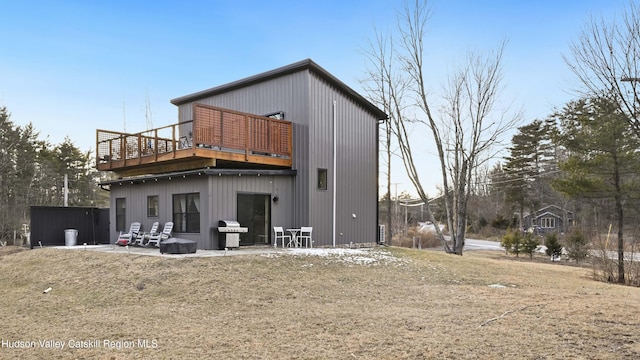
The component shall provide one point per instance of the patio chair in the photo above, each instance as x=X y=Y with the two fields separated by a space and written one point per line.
x=140 y=239
x=305 y=235
x=164 y=235
x=279 y=231
x=129 y=237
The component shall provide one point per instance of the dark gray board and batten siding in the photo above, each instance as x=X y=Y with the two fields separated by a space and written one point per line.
x=308 y=101
x=356 y=162
x=218 y=200
x=290 y=94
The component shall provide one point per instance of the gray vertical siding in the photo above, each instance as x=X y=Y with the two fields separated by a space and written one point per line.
x=218 y=201
x=136 y=195
x=289 y=93
x=356 y=171
x=223 y=204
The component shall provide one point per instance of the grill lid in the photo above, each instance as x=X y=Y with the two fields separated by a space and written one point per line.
x=228 y=223
x=230 y=226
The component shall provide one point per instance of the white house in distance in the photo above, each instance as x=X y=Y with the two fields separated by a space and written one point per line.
x=289 y=147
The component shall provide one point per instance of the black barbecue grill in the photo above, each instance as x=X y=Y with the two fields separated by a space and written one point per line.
x=229 y=234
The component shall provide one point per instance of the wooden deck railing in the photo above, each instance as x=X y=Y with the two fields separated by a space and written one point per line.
x=222 y=128
x=219 y=134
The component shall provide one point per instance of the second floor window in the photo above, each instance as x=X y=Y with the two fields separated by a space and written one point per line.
x=322 y=179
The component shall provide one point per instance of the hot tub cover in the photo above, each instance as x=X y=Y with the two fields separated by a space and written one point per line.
x=178 y=246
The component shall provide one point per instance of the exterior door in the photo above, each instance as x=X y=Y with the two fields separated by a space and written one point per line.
x=254 y=212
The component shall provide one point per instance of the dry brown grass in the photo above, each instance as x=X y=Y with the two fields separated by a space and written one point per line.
x=409 y=305
x=416 y=240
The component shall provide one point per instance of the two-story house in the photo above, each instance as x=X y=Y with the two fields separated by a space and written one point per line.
x=289 y=147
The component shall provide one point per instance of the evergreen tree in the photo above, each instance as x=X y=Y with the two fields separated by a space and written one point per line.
x=577 y=246
x=9 y=143
x=529 y=244
x=32 y=173
x=554 y=248
x=512 y=242
x=532 y=155
x=602 y=164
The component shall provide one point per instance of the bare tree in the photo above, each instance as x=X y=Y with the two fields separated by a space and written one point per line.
x=377 y=84
x=605 y=59
x=389 y=88
x=466 y=131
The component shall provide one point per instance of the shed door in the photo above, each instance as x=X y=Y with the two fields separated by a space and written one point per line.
x=254 y=212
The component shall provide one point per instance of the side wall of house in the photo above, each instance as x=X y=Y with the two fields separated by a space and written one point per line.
x=356 y=167
x=136 y=202
x=218 y=201
x=223 y=199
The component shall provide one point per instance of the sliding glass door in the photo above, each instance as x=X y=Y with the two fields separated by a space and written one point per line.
x=254 y=212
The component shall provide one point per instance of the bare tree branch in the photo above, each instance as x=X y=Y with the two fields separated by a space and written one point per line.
x=605 y=60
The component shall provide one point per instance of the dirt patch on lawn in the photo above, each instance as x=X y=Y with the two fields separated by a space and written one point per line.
x=8 y=250
x=316 y=304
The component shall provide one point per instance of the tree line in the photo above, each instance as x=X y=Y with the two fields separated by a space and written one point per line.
x=32 y=172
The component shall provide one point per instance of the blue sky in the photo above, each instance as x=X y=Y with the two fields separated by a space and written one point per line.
x=71 y=67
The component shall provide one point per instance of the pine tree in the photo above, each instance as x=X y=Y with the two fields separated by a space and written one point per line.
x=554 y=248
x=32 y=173
x=602 y=165
x=529 y=244
x=532 y=155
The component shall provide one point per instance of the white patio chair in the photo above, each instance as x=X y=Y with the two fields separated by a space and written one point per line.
x=128 y=237
x=305 y=235
x=164 y=235
x=140 y=239
x=279 y=231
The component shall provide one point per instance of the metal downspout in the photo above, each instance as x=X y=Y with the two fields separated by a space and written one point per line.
x=334 y=173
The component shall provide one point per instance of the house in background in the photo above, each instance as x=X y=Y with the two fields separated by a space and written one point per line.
x=551 y=218
x=290 y=147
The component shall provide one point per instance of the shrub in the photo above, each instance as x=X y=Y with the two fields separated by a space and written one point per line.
x=604 y=268
x=512 y=242
x=500 y=222
x=554 y=248
x=422 y=240
x=529 y=244
x=577 y=246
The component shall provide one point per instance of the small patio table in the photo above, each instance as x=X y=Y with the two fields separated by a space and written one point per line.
x=294 y=236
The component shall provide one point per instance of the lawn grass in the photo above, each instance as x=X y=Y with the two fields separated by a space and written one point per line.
x=388 y=303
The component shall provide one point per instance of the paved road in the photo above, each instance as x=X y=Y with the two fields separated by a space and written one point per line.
x=628 y=256
x=474 y=244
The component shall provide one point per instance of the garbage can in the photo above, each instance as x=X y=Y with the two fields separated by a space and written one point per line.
x=70 y=237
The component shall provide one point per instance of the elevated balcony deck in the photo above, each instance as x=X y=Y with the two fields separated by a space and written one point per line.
x=215 y=136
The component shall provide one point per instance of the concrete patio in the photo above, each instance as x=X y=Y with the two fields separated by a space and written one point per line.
x=154 y=251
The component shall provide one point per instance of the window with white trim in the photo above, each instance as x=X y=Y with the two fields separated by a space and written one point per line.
x=548 y=222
